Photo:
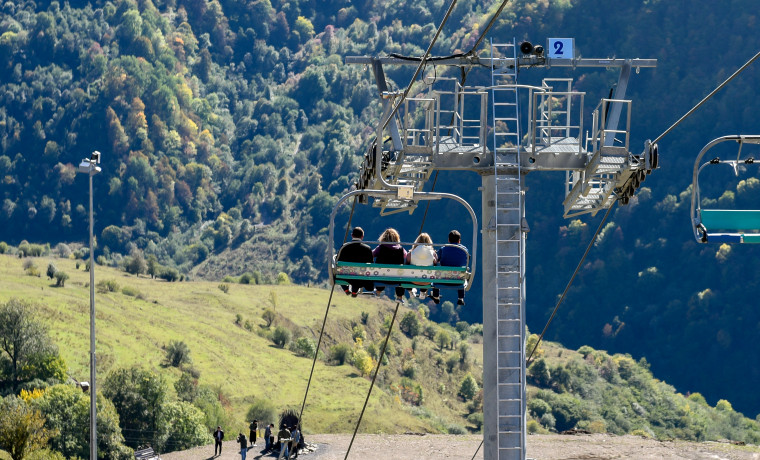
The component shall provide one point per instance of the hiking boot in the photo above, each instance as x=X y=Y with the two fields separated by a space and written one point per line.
x=414 y=292
x=460 y=301
x=400 y=299
x=436 y=299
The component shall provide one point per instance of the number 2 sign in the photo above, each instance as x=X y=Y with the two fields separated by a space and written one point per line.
x=560 y=48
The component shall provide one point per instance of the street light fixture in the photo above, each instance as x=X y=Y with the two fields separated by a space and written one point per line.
x=90 y=167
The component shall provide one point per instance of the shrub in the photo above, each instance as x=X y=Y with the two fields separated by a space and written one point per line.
x=262 y=410
x=533 y=427
x=3 y=247
x=411 y=391
x=723 y=405
x=169 y=274
x=409 y=369
x=451 y=361
x=177 y=354
x=468 y=387
x=229 y=279
x=585 y=350
x=50 y=272
x=454 y=428
x=476 y=419
x=304 y=347
x=63 y=250
x=60 y=278
x=358 y=332
x=246 y=278
x=538 y=407
x=238 y=319
x=224 y=288
x=248 y=326
x=268 y=316
x=280 y=336
x=363 y=362
x=104 y=286
x=283 y=278
x=364 y=317
x=442 y=339
x=340 y=353
x=132 y=292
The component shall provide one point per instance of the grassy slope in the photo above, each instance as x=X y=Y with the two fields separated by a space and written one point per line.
x=132 y=331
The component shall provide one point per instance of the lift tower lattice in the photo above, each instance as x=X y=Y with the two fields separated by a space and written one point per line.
x=451 y=135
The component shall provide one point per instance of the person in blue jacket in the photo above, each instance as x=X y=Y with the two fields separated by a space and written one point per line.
x=452 y=255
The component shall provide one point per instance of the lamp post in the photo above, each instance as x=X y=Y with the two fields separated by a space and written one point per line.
x=90 y=167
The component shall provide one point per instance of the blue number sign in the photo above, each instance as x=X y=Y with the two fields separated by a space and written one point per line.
x=560 y=48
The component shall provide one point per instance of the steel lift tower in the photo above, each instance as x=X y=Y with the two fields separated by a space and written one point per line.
x=532 y=128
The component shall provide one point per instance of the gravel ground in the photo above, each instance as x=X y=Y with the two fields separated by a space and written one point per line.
x=540 y=447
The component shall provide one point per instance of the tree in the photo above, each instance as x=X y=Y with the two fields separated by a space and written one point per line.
x=177 y=354
x=139 y=396
x=443 y=339
x=67 y=416
x=340 y=353
x=187 y=427
x=410 y=324
x=363 y=362
x=22 y=337
x=468 y=387
x=22 y=429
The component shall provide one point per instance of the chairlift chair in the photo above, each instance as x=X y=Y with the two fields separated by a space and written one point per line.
x=724 y=225
x=407 y=276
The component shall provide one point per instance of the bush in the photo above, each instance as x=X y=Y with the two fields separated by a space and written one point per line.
x=451 y=361
x=364 y=317
x=304 y=347
x=340 y=353
x=50 y=272
x=107 y=286
x=60 y=278
x=132 y=292
x=269 y=316
x=281 y=336
x=262 y=410
x=177 y=353
x=246 y=278
x=454 y=428
x=169 y=274
x=476 y=419
x=363 y=362
x=224 y=288
x=468 y=387
x=410 y=325
x=3 y=247
x=283 y=278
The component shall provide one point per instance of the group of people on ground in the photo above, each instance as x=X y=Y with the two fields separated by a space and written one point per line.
x=288 y=440
x=390 y=251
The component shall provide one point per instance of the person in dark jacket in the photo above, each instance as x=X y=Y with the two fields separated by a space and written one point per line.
x=253 y=428
x=390 y=251
x=359 y=252
x=218 y=438
x=243 y=445
x=267 y=438
x=453 y=255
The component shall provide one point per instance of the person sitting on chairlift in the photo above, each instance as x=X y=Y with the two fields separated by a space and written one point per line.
x=423 y=255
x=390 y=251
x=454 y=255
x=359 y=252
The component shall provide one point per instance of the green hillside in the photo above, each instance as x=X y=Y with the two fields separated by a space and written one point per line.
x=420 y=389
x=228 y=129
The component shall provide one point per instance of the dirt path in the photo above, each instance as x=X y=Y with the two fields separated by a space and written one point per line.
x=540 y=447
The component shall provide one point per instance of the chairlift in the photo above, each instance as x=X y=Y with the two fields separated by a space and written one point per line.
x=406 y=276
x=724 y=225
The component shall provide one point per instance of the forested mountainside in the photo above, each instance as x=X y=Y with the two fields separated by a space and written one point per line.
x=228 y=129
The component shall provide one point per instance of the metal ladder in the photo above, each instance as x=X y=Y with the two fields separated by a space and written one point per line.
x=510 y=260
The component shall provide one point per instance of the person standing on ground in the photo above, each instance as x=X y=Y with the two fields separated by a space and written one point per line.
x=254 y=427
x=267 y=437
x=218 y=438
x=296 y=434
x=243 y=445
x=284 y=439
x=271 y=436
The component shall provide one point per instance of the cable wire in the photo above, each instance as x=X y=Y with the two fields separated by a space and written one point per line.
x=324 y=322
x=712 y=93
x=372 y=385
x=477 y=450
x=569 y=283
